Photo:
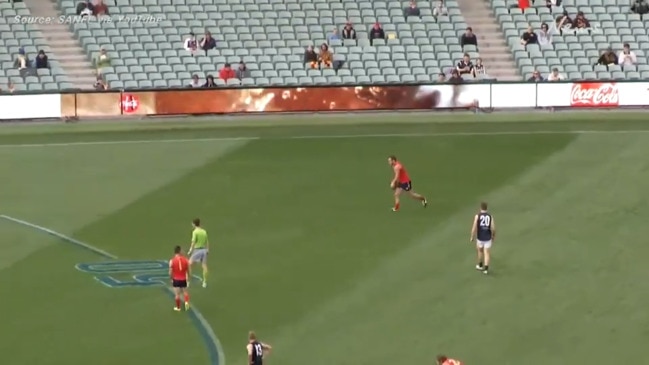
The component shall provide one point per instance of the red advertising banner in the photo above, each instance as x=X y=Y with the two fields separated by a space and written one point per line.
x=321 y=99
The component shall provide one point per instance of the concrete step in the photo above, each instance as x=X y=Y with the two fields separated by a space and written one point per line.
x=500 y=67
x=64 y=43
x=82 y=79
x=81 y=70
x=485 y=28
x=63 y=46
x=494 y=50
x=76 y=57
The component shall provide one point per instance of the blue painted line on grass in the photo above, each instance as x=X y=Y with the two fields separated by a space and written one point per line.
x=214 y=348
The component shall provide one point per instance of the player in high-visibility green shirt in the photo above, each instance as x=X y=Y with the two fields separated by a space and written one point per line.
x=199 y=248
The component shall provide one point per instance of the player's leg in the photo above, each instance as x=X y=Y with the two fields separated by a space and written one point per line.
x=205 y=271
x=185 y=295
x=419 y=197
x=480 y=252
x=486 y=256
x=176 y=297
x=397 y=202
x=200 y=256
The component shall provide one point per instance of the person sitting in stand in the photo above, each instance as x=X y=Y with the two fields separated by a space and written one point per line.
x=311 y=57
x=325 y=58
x=209 y=83
x=607 y=58
x=42 y=60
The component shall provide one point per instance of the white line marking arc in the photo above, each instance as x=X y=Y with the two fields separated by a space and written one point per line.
x=204 y=323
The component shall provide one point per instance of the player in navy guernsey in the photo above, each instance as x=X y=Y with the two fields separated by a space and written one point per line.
x=483 y=232
x=256 y=350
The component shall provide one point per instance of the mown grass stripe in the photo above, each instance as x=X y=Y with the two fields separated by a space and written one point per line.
x=332 y=136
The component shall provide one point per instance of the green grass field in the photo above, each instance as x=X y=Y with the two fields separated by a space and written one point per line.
x=306 y=251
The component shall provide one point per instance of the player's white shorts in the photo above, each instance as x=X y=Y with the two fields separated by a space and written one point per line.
x=483 y=244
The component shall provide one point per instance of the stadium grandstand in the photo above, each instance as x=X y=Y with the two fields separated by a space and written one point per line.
x=149 y=43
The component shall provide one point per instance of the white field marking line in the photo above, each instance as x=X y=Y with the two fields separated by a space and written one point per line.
x=333 y=136
x=199 y=316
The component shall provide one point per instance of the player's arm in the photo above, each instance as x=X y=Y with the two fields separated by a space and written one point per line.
x=189 y=272
x=191 y=245
x=171 y=269
x=250 y=354
x=397 y=170
x=493 y=229
x=266 y=347
x=474 y=228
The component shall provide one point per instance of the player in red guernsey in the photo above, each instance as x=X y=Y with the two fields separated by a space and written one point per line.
x=180 y=273
x=401 y=182
x=443 y=360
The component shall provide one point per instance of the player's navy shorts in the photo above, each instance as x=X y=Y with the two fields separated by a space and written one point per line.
x=406 y=186
x=179 y=283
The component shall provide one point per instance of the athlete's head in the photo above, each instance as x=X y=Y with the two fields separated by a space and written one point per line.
x=392 y=160
x=196 y=222
x=177 y=250
x=441 y=359
x=252 y=336
x=483 y=206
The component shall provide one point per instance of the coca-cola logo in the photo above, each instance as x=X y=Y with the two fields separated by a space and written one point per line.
x=595 y=94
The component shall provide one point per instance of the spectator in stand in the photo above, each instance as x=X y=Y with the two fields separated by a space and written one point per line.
x=207 y=42
x=468 y=38
x=325 y=57
x=195 y=82
x=464 y=66
x=564 y=21
x=22 y=60
x=191 y=44
x=411 y=10
x=242 y=71
x=607 y=58
x=455 y=78
x=334 y=36
x=100 y=9
x=551 y=3
x=102 y=60
x=441 y=78
x=100 y=84
x=440 y=9
x=85 y=8
x=536 y=77
x=581 y=22
x=227 y=73
x=376 y=33
x=478 y=69
x=209 y=83
x=349 y=32
x=555 y=75
x=311 y=57
x=545 y=35
x=529 y=37
x=627 y=57
x=42 y=60
x=640 y=7
x=10 y=88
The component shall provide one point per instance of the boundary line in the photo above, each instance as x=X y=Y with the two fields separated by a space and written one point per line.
x=214 y=347
x=324 y=136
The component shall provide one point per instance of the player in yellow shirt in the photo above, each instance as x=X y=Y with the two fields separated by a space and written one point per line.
x=199 y=248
